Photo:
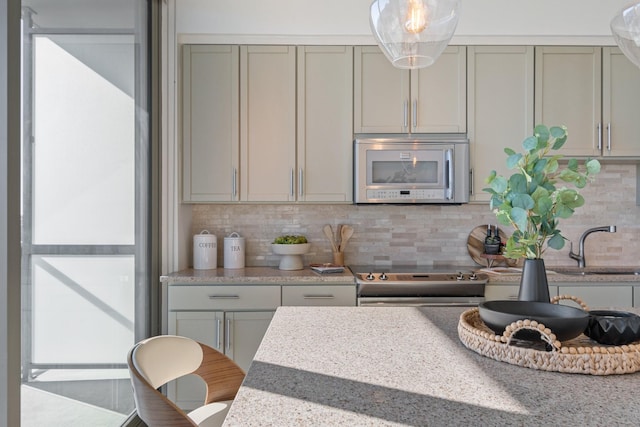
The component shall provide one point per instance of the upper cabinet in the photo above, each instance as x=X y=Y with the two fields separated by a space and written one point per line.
x=500 y=108
x=594 y=92
x=267 y=123
x=391 y=100
x=210 y=123
x=325 y=123
x=620 y=104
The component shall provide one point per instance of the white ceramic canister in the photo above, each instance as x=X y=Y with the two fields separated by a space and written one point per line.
x=234 y=251
x=205 y=251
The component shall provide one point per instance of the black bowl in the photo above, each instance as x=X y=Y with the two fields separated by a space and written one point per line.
x=564 y=321
x=613 y=327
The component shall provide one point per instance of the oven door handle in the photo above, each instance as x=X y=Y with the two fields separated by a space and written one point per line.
x=448 y=174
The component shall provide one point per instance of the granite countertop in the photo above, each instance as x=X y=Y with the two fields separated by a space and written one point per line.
x=273 y=275
x=358 y=366
x=566 y=274
x=256 y=275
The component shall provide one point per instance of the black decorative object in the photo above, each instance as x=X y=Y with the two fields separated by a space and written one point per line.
x=564 y=321
x=533 y=282
x=613 y=327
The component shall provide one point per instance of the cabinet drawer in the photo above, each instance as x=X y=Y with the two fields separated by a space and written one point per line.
x=211 y=297
x=319 y=295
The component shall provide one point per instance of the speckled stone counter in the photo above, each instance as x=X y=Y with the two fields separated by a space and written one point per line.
x=573 y=274
x=356 y=366
x=257 y=275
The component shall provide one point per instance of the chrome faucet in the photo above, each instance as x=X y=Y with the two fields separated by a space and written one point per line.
x=580 y=255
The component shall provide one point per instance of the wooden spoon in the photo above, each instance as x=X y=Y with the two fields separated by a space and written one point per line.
x=345 y=234
x=328 y=231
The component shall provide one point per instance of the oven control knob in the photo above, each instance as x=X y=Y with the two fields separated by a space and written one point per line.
x=473 y=276
x=460 y=276
x=383 y=276
x=370 y=276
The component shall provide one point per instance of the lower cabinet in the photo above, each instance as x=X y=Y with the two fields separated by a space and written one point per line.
x=605 y=295
x=235 y=333
x=233 y=319
x=600 y=295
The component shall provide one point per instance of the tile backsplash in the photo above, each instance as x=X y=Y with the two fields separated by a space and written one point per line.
x=426 y=234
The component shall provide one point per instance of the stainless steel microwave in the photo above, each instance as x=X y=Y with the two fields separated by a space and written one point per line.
x=411 y=169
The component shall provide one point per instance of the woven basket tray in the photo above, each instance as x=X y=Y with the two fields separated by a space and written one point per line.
x=580 y=355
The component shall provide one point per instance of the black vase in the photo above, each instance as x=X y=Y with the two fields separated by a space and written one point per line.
x=533 y=282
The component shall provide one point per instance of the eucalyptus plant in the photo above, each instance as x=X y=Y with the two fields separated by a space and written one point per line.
x=530 y=200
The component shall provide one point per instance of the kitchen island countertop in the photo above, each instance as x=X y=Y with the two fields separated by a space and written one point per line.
x=360 y=366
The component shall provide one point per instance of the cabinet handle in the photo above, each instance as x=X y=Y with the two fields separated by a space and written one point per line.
x=227 y=335
x=414 y=114
x=224 y=296
x=318 y=297
x=218 y=336
x=405 y=114
x=608 y=136
x=300 y=182
x=471 y=182
x=291 y=183
x=234 y=180
x=599 y=136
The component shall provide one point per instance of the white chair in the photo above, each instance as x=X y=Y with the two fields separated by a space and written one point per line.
x=156 y=361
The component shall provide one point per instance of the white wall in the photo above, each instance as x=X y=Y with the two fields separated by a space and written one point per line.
x=346 y=21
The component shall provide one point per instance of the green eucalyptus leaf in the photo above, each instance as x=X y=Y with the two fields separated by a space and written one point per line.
x=522 y=201
x=541 y=132
x=499 y=184
x=513 y=160
x=540 y=165
x=558 y=132
x=518 y=183
x=529 y=144
x=556 y=242
x=573 y=165
x=519 y=218
x=593 y=166
x=509 y=151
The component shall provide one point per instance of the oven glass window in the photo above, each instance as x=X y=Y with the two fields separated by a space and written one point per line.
x=404 y=172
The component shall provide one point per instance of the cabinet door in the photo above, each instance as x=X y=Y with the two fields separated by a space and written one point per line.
x=203 y=326
x=210 y=123
x=438 y=94
x=620 y=104
x=268 y=123
x=381 y=93
x=568 y=92
x=325 y=123
x=243 y=334
x=500 y=108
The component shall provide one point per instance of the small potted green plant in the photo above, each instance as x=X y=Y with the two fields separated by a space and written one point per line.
x=532 y=202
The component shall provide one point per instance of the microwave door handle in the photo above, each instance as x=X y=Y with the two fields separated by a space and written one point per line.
x=448 y=170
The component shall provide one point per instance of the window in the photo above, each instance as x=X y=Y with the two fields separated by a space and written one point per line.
x=86 y=196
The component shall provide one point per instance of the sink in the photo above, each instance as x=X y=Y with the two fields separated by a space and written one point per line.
x=604 y=271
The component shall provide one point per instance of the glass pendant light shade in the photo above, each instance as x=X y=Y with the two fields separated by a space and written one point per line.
x=413 y=33
x=625 y=27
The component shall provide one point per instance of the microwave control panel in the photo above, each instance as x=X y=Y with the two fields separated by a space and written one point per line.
x=413 y=194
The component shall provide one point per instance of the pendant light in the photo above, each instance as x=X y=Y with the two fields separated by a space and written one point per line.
x=625 y=27
x=413 y=33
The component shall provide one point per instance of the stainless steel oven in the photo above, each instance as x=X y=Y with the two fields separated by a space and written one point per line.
x=418 y=286
x=411 y=169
